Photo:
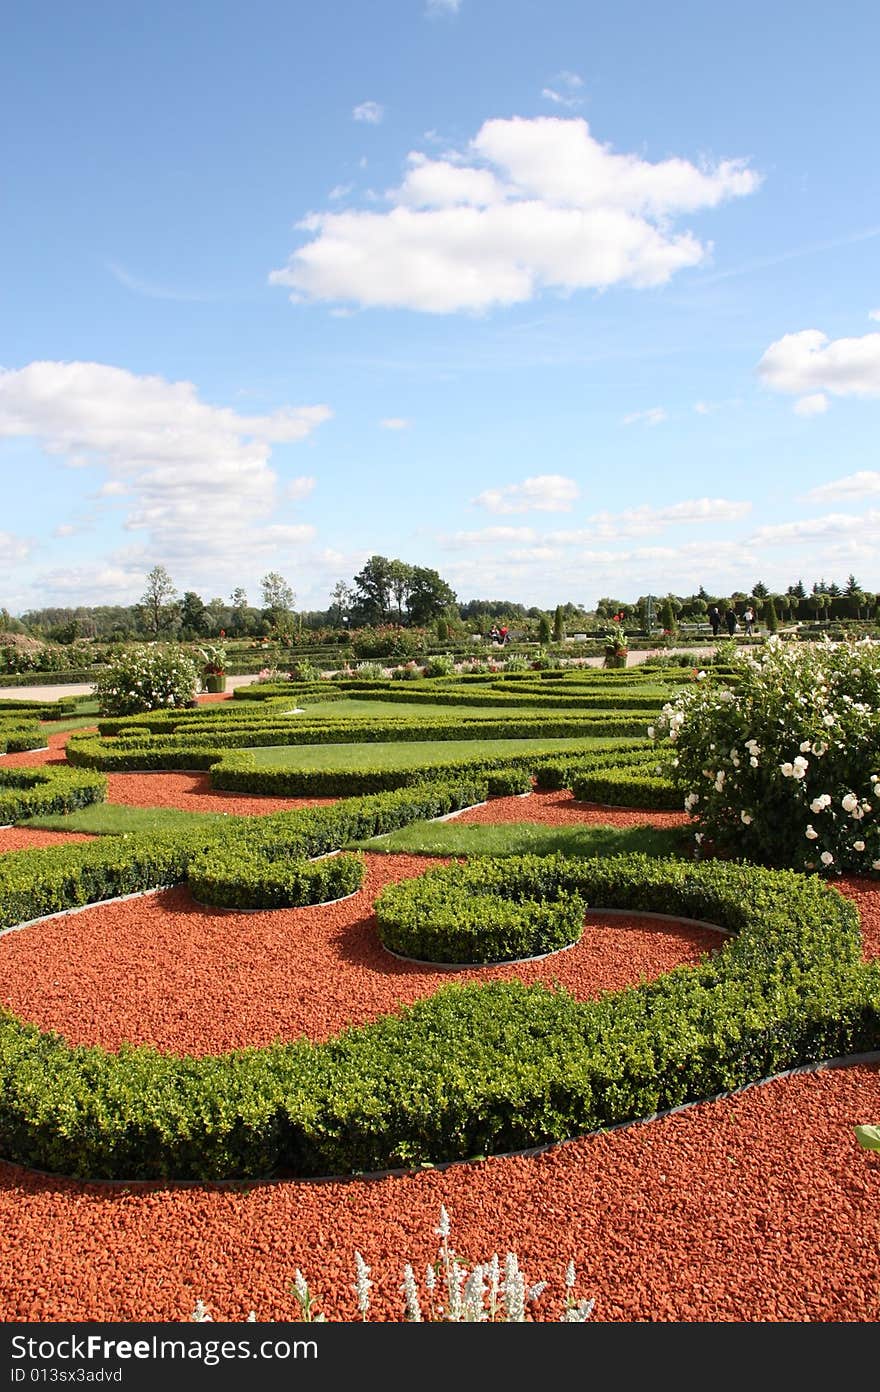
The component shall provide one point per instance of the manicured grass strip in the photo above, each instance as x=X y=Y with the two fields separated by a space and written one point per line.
x=114 y=819
x=525 y=838
x=409 y=754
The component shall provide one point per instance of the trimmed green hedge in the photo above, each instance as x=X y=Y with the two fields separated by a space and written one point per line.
x=255 y=863
x=17 y=736
x=239 y=772
x=475 y=1069
x=491 y=910
x=46 y=790
x=509 y=782
x=627 y=787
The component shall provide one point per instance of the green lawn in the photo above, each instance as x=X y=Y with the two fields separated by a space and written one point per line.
x=76 y=722
x=422 y=710
x=112 y=819
x=456 y=838
x=413 y=753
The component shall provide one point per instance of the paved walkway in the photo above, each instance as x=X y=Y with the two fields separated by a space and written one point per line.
x=52 y=693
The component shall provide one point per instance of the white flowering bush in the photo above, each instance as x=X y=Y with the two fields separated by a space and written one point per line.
x=783 y=766
x=147 y=678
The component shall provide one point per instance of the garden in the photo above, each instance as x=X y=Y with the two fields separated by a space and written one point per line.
x=532 y=993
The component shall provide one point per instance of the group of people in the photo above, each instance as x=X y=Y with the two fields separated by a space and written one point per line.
x=730 y=619
x=499 y=635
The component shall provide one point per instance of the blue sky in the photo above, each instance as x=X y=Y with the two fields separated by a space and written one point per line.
x=563 y=300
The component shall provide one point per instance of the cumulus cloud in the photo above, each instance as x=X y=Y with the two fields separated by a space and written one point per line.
x=655 y=415
x=543 y=493
x=369 y=111
x=863 y=530
x=530 y=205
x=642 y=521
x=809 y=364
x=860 y=485
x=394 y=423
x=195 y=477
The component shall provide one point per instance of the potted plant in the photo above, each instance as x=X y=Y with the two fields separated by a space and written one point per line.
x=213 y=668
x=616 y=646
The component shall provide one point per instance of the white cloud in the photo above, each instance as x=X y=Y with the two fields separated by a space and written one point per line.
x=65 y=529
x=543 y=493
x=834 y=524
x=655 y=415
x=530 y=205
x=809 y=362
x=563 y=93
x=395 y=423
x=816 y=404
x=874 y=314
x=340 y=191
x=491 y=536
x=150 y=290
x=641 y=521
x=442 y=7
x=198 y=476
x=301 y=487
x=13 y=550
x=860 y=485
x=369 y=111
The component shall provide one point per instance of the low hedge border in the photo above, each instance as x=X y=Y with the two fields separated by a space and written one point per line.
x=239 y=772
x=556 y=774
x=627 y=787
x=233 y=865
x=482 y=913
x=143 y=750
x=475 y=1069
x=47 y=790
x=19 y=736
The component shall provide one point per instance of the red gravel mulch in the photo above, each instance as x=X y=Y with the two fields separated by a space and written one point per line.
x=561 y=809
x=192 y=792
x=761 y=1207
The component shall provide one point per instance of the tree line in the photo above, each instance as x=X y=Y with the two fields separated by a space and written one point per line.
x=391 y=591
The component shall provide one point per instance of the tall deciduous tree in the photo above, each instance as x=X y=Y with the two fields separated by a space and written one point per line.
x=372 y=587
x=429 y=595
x=157 y=608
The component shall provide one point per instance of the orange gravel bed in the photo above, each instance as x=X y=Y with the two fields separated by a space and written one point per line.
x=755 y=1208
x=760 y=1207
x=192 y=792
x=161 y=970
x=561 y=809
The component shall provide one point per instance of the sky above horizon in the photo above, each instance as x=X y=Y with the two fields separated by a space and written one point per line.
x=562 y=300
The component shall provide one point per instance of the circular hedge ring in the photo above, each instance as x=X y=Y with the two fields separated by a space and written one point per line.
x=482 y=913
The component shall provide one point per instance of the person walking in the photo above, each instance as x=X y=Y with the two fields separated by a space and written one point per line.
x=748 y=620
x=731 y=620
x=715 y=620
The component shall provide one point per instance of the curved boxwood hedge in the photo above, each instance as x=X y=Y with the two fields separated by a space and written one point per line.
x=493 y=910
x=47 y=790
x=19 y=735
x=474 y=1069
x=242 y=863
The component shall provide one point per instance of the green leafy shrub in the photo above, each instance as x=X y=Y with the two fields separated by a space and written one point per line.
x=493 y=910
x=440 y=665
x=626 y=787
x=509 y=782
x=147 y=678
x=784 y=766
x=46 y=790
